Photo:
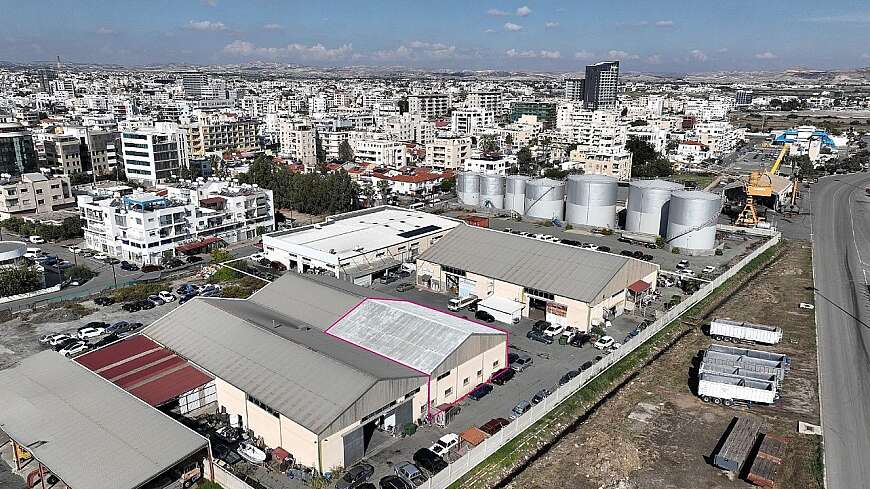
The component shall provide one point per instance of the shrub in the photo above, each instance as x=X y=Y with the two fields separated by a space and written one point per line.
x=675 y=250
x=81 y=272
x=224 y=274
x=138 y=292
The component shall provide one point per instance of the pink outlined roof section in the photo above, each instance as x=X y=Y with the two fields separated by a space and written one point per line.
x=409 y=333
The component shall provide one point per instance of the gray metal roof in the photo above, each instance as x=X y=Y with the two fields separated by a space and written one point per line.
x=572 y=272
x=409 y=333
x=87 y=431
x=312 y=300
x=311 y=378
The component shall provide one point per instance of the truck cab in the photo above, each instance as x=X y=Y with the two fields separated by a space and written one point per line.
x=459 y=303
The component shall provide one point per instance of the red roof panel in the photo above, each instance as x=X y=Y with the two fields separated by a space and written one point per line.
x=171 y=386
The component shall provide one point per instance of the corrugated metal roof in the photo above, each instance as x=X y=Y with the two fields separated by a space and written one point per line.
x=409 y=333
x=306 y=375
x=310 y=299
x=560 y=269
x=88 y=432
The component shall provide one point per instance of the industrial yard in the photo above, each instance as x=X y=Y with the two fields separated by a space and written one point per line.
x=658 y=421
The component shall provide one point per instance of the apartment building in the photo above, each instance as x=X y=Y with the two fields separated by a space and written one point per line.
x=490 y=101
x=146 y=227
x=598 y=131
x=719 y=136
x=429 y=106
x=298 y=142
x=600 y=87
x=152 y=155
x=63 y=154
x=17 y=154
x=210 y=135
x=34 y=193
x=470 y=121
x=448 y=153
x=331 y=141
x=81 y=150
x=574 y=88
x=490 y=165
x=380 y=152
x=616 y=165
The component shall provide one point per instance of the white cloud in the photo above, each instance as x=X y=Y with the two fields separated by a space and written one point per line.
x=497 y=13
x=417 y=50
x=765 y=55
x=853 y=18
x=524 y=11
x=551 y=25
x=654 y=59
x=530 y=53
x=664 y=23
x=314 y=52
x=584 y=55
x=642 y=23
x=511 y=27
x=206 y=25
x=698 y=55
x=722 y=50
x=488 y=31
x=621 y=55
x=865 y=56
x=273 y=27
x=105 y=31
x=209 y=3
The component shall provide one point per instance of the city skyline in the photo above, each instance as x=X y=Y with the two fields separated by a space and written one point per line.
x=533 y=36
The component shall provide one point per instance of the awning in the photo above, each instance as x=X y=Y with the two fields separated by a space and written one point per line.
x=474 y=436
x=501 y=304
x=197 y=245
x=356 y=271
x=639 y=286
x=145 y=369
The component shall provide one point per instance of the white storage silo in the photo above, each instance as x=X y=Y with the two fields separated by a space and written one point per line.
x=468 y=188
x=492 y=191
x=647 y=209
x=545 y=198
x=591 y=200
x=692 y=219
x=515 y=193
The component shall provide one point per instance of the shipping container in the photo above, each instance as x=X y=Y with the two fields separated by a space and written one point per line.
x=738 y=445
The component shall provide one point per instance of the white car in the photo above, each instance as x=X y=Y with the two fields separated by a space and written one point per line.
x=554 y=330
x=101 y=257
x=444 y=444
x=688 y=272
x=604 y=342
x=709 y=269
x=166 y=296
x=53 y=339
x=74 y=349
x=569 y=333
x=75 y=250
x=86 y=333
x=590 y=246
x=257 y=256
x=36 y=239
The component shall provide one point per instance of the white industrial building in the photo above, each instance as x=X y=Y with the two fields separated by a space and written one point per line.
x=533 y=278
x=358 y=246
x=314 y=366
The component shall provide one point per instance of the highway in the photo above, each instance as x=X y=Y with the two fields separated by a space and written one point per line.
x=841 y=261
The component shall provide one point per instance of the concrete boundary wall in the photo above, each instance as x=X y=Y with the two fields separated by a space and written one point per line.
x=478 y=454
x=35 y=293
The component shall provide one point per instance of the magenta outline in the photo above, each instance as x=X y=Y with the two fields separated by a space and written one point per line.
x=428 y=375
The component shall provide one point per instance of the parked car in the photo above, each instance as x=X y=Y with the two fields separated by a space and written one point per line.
x=540 y=396
x=503 y=377
x=539 y=336
x=522 y=362
x=626 y=253
x=355 y=476
x=404 y=287
x=66 y=342
x=125 y=265
x=186 y=298
x=604 y=342
x=387 y=279
x=156 y=300
x=411 y=473
x=75 y=250
x=568 y=376
x=586 y=365
x=104 y=301
x=32 y=253
x=277 y=266
x=85 y=333
x=187 y=289
x=166 y=296
x=480 y=392
x=257 y=257
x=709 y=269
x=132 y=306
x=484 y=316
x=151 y=268
x=105 y=340
x=146 y=304
x=53 y=339
x=429 y=460
x=445 y=444
x=193 y=259
x=494 y=425
x=394 y=482
x=36 y=239
x=540 y=325
x=605 y=249
x=73 y=349
x=683 y=264
x=521 y=408
x=580 y=340
x=554 y=330
x=459 y=303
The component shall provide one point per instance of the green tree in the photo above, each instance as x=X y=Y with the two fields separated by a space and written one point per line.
x=508 y=140
x=80 y=272
x=524 y=160
x=220 y=256
x=345 y=152
x=488 y=144
x=319 y=152
x=384 y=189
x=642 y=151
x=19 y=280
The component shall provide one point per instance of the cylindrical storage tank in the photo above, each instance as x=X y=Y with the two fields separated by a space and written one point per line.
x=545 y=198
x=515 y=193
x=492 y=191
x=468 y=188
x=647 y=209
x=692 y=220
x=591 y=200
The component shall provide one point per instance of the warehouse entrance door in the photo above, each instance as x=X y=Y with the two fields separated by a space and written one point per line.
x=357 y=442
x=537 y=308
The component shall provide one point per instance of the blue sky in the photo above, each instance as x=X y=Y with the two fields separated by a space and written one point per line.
x=646 y=35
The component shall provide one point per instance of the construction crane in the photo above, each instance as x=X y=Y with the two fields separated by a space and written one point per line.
x=758 y=185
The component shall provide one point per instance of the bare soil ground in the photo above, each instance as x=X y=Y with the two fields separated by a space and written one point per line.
x=655 y=433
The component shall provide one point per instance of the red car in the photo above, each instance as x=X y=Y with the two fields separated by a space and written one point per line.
x=494 y=425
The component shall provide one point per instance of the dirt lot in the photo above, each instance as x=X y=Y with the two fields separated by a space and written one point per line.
x=655 y=433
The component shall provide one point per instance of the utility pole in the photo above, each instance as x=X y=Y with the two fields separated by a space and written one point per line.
x=114 y=277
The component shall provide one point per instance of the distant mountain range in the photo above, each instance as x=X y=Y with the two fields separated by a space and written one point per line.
x=269 y=69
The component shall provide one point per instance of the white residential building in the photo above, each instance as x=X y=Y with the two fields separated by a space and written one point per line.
x=380 y=152
x=429 y=106
x=298 y=142
x=486 y=101
x=448 y=153
x=497 y=165
x=470 y=121
x=152 y=155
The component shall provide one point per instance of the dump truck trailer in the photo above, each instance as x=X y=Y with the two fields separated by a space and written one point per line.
x=727 y=329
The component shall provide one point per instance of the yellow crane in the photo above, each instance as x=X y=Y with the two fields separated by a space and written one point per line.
x=759 y=184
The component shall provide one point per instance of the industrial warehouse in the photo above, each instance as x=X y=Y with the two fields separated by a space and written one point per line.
x=518 y=277
x=358 y=246
x=656 y=210
x=319 y=369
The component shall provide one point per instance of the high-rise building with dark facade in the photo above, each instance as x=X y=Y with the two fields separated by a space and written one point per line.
x=17 y=154
x=600 y=86
x=743 y=97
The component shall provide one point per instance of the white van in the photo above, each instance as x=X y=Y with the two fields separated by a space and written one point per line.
x=458 y=303
x=32 y=252
x=416 y=205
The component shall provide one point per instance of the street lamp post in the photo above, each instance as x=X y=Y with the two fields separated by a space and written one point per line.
x=114 y=277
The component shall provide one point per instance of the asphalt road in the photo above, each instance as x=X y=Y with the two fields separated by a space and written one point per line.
x=841 y=252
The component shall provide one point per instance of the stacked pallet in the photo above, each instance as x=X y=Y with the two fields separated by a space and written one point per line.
x=764 y=471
